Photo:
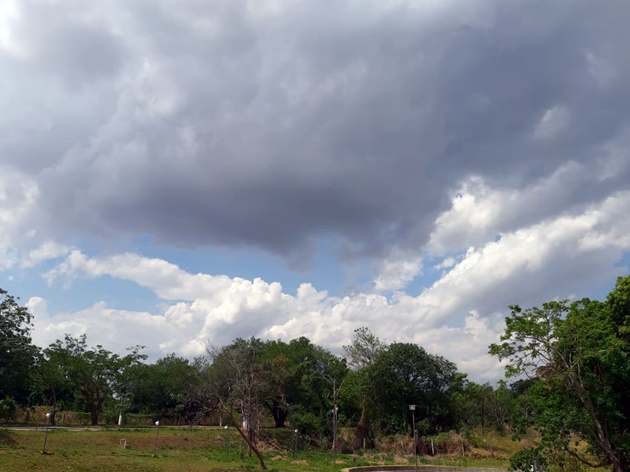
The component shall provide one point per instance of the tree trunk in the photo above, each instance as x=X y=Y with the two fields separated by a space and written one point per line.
x=93 y=413
x=247 y=440
x=53 y=404
x=279 y=414
x=602 y=437
x=362 y=429
x=618 y=465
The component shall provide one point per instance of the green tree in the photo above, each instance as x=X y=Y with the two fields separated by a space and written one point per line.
x=161 y=388
x=579 y=353
x=618 y=302
x=360 y=354
x=522 y=406
x=17 y=354
x=53 y=380
x=8 y=408
x=285 y=364
x=405 y=374
x=96 y=373
x=305 y=382
x=364 y=349
x=463 y=401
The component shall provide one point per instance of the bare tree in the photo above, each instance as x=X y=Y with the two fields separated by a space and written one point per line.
x=238 y=386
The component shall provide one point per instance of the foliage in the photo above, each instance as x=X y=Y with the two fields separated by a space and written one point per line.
x=405 y=374
x=304 y=378
x=162 y=388
x=238 y=387
x=579 y=352
x=16 y=352
x=8 y=407
x=364 y=349
x=522 y=406
x=528 y=459
x=300 y=373
x=52 y=380
x=96 y=373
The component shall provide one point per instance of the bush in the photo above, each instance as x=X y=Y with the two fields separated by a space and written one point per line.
x=8 y=408
x=447 y=443
x=393 y=425
x=308 y=424
x=528 y=459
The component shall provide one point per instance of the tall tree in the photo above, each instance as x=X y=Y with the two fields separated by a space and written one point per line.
x=465 y=402
x=405 y=374
x=17 y=354
x=284 y=362
x=53 y=379
x=360 y=355
x=238 y=387
x=161 y=388
x=304 y=382
x=579 y=352
x=96 y=373
x=364 y=348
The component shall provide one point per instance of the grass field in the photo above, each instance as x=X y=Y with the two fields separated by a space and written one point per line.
x=177 y=450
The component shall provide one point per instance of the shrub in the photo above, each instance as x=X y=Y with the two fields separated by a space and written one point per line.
x=528 y=459
x=8 y=408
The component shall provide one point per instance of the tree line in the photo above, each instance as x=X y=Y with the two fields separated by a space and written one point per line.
x=295 y=383
x=568 y=363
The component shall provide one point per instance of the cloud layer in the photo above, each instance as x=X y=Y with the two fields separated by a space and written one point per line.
x=269 y=124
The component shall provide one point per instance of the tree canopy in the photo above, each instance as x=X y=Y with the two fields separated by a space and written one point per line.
x=579 y=353
x=405 y=374
x=17 y=355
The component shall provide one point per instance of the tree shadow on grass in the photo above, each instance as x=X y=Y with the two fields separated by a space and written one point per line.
x=6 y=438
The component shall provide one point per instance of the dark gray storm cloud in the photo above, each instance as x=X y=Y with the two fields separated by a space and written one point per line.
x=269 y=124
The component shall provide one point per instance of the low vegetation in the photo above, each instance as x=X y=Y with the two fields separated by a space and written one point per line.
x=203 y=448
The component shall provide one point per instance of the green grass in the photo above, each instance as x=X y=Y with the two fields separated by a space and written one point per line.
x=178 y=449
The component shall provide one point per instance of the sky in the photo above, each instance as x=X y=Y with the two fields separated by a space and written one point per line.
x=180 y=174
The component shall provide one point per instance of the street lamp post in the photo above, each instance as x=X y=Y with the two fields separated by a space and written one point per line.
x=334 y=412
x=296 y=444
x=412 y=408
x=46 y=435
x=157 y=433
x=227 y=438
